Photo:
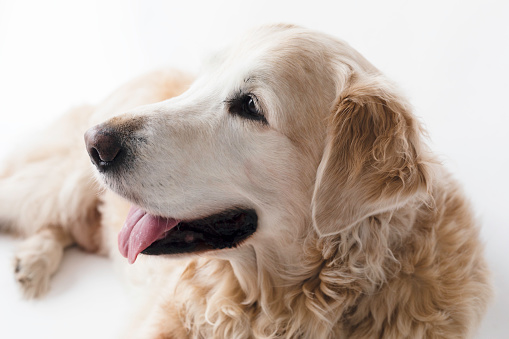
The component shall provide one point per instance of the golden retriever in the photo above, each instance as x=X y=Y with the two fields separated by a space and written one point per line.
x=286 y=193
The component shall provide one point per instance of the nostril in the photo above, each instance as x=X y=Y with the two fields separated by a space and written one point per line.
x=94 y=156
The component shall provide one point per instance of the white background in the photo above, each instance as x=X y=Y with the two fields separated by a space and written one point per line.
x=450 y=57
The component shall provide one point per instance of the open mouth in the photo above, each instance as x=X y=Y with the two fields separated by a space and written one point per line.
x=149 y=234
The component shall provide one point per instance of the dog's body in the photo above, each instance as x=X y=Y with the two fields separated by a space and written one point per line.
x=292 y=167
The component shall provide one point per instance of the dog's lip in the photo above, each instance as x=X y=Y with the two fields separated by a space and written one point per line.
x=140 y=230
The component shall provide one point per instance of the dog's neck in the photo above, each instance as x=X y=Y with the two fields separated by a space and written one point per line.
x=279 y=283
x=272 y=289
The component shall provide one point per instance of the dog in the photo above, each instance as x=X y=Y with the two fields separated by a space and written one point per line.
x=286 y=192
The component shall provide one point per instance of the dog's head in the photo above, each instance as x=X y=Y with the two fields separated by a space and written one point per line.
x=286 y=129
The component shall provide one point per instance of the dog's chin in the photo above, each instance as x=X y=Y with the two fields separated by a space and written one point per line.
x=227 y=229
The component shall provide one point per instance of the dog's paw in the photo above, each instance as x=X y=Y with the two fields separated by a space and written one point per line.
x=32 y=274
x=36 y=259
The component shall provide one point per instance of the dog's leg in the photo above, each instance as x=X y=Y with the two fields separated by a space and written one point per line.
x=52 y=207
x=49 y=197
x=38 y=258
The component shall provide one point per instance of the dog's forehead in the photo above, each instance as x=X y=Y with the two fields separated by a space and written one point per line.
x=266 y=51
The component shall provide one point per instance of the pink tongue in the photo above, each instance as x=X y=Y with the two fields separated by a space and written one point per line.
x=140 y=231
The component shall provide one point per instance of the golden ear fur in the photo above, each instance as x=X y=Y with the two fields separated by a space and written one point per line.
x=374 y=159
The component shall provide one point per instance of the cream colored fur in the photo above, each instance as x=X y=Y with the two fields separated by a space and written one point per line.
x=362 y=233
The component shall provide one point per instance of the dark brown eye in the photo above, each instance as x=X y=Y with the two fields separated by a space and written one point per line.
x=246 y=106
x=251 y=106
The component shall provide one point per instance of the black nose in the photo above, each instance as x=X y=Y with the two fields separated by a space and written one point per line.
x=104 y=147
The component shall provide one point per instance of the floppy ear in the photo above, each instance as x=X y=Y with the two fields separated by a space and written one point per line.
x=373 y=160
